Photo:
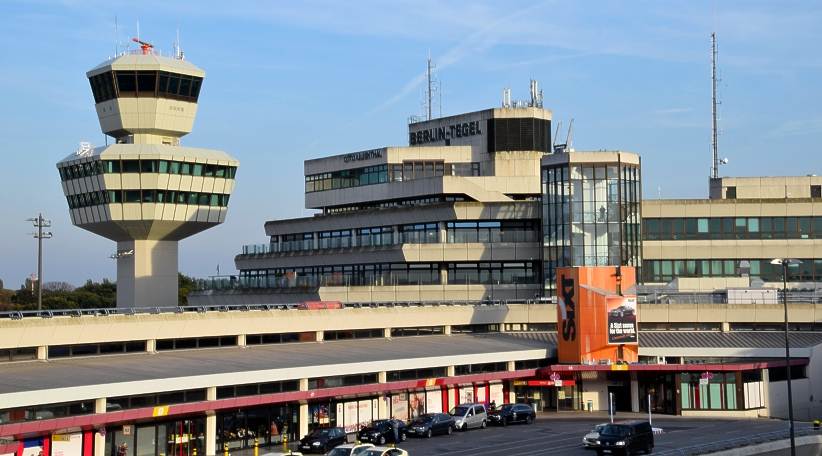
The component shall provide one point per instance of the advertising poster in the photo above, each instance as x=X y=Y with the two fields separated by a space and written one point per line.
x=466 y=394
x=481 y=394
x=622 y=320
x=67 y=444
x=496 y=395
x=399 y=406
x=433 y=401
x=416 y=403
x=350 y=422
x=364 y=410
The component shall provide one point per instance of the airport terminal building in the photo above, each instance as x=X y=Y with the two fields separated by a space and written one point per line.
x=425 y=280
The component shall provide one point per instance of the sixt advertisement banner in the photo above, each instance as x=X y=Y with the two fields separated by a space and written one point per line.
x=621 y=319
x=568 y=347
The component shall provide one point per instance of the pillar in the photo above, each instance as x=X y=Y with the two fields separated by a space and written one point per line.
x=443 y=232
x=447 y=330
x=635 y=393
x=319 y=336
x=151 y=346
x=42 y=353
x=147 y=274
x=241 y=340
x=303 y=410
x=211 y=424
x=726 y=327
x=386 y=332
x=450 y=371
x=382 y=377
x=99 y=439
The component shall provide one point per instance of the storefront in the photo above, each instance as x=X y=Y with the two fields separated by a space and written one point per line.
x=168 y=438
x=547 y=395
x=267 y=425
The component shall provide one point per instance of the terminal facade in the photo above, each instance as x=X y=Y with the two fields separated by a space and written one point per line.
x=441 y=259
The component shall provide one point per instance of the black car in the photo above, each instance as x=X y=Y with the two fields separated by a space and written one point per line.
x=381 y=431
x=432 y=423
x=321 y=440
x=512 y=413
x=626 y=438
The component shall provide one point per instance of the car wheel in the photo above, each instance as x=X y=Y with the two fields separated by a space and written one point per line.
x=529 y=419
x=649 y=448
x=482 y=426
x=504 y=421
x=450 y=430
x=381 y=440
x=428 y=434
x=464 y=427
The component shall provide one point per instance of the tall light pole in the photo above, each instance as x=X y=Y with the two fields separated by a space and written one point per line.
x=785 y=262
x=40 y=223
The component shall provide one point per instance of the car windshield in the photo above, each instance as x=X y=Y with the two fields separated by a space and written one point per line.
x=380 y=423
x=319 y=433
x=372 y=452
x=360 y=451
x=598 y=427
x=507 y=407
x=458 y=411
x=615 y=430
x=340 y=452
x=423 y=419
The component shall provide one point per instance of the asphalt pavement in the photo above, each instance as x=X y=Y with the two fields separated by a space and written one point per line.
x=557 y=436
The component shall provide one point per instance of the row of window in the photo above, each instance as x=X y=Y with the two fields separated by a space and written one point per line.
x=419 y=233
x=107 y=348
x=97 y=167
x=380 y=174
x=712 y=228
x=387 y=204
x=151 y=400
x=147 y=196
x=254 y=389
x=666 y=270
x=162 y=84
x=388 y=274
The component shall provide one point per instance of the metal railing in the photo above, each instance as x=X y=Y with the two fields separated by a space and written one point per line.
x=721 y=297
x=105 y=312
x=754 y=439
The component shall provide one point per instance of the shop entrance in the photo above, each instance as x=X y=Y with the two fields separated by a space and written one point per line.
x=619 y=384
x=662 y=389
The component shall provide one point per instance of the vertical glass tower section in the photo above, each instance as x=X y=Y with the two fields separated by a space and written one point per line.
x=590 y=211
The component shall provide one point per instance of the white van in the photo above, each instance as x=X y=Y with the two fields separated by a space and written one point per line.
x=469 y=416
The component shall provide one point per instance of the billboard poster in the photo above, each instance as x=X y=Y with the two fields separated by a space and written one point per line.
x=399 y=406
x=67 y=444
x=622 y=326
x=416 y=403
x=433 y=401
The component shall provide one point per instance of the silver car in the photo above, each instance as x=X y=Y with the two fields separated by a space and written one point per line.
x=469 y=416
x=591 y=439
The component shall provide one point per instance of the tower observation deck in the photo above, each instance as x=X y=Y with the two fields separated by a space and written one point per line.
x=146 y=191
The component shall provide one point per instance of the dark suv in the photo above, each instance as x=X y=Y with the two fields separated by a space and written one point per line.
x=381 y=431
x=626 y=438
x=321 y=440
x=512 y=413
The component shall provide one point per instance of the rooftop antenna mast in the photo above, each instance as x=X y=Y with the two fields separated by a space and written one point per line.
x=714 y=144
x=430 y=92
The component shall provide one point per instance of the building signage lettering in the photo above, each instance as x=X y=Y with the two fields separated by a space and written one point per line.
x=460 y=130
x=364 y=155
x=569 y=326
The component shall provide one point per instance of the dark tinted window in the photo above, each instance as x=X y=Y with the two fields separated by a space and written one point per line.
x=146 y=83
x=126 y=82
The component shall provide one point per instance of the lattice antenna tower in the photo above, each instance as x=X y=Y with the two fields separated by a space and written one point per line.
x=715 y=162
x=432 y=91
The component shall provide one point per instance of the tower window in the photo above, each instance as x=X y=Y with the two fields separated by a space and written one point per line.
x=816 y=191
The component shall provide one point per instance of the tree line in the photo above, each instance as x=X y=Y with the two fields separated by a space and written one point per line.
x=91 y=295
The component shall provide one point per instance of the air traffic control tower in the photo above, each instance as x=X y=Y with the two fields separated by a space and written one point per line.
x=145 y=191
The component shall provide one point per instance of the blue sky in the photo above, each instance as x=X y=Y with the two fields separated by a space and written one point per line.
x=288 y=81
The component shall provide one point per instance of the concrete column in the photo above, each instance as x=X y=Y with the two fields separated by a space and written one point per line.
x=42 y=352
x=766 y=392
x=512 y=395
x=303 y=411
x=382 y=377
x=511 y=366
x=386 y=332
x=443 y=274
x=151 y=346
x=147 y=277
x=447 y=330
x=726 y=326
x=316 y=243
x=443 y=232
x=635 y=393
x=320 y=336
x=396 y=229
x=211 y=424
x=99 y=439
x=354 y=241
x=450 y=371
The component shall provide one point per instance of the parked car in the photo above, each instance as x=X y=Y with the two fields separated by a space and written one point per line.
x=431 y=424
x=385 y=451
x=469 y=416
x=626 y=438
x=321 y=440
x=591 y=439
x=381 y=431
x=512 y=413
x=350 y=449
x=289 y=453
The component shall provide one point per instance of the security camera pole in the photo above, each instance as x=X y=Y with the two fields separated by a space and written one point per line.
x=40 y=223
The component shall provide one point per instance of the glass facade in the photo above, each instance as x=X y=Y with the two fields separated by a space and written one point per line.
x=713 y=228
x=97 y=167
x=591 y=216
x=380 y=174
x=183 y=437
x=666 y=270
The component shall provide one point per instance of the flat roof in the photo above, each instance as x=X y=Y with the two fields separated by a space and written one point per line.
x=71 y=379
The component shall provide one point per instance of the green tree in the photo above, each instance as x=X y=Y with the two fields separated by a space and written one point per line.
x=186 y=286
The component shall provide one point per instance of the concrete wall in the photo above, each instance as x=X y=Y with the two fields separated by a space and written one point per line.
x=807 y=393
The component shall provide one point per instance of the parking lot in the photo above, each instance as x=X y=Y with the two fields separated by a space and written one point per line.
x=556 y=436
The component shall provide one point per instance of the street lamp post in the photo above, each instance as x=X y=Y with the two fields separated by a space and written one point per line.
x=785 y=262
